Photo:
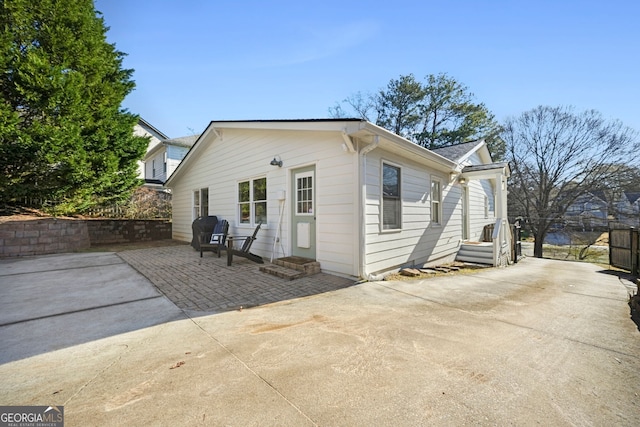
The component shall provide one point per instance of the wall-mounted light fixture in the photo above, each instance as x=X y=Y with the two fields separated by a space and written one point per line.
x=462 y=180
x=276 y=161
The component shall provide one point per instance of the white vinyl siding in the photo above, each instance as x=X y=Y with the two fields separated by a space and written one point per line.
x=174 y=155
x=153 y=169
x=481 y=195
x=225 y=162
x=418 y=241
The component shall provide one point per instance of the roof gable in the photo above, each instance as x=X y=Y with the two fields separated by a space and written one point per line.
x=151 y=129
x=459 y=153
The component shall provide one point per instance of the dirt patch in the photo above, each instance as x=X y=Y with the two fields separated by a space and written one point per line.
x=25 y=215
x=461 y=268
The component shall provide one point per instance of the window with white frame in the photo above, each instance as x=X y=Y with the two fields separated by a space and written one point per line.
x=391 y=197
x=436 y=201
x=200 y=202
x=153 y=168
x=304 y=193
x=164 y=162
x=486 y=207
x=252 y=201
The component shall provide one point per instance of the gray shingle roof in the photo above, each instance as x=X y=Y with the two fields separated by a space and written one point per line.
x=456 y=152
x=183 y=141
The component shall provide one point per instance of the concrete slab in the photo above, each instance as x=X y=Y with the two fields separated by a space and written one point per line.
x=542 y=342
x=54 y=301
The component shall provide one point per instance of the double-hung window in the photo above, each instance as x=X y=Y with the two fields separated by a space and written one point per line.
x=252 y=201
x=436 y=201
x=200 y=202
x=391 y=197
x=486 y=207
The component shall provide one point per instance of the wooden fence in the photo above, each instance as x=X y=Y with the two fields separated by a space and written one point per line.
x=623 y=249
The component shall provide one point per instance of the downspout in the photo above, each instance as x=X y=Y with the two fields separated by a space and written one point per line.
x=363 y=202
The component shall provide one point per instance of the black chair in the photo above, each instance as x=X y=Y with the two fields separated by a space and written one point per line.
x=215 y=241
x=247 y=241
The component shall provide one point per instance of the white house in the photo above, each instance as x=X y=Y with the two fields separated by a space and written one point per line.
x=164 y=157
x=353 y=196
x=144 y=128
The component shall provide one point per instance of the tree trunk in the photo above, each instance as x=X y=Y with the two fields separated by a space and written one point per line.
x=537 y=246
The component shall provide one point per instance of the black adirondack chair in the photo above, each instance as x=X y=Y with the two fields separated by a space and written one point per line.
x=247 y=241
x=216 y=240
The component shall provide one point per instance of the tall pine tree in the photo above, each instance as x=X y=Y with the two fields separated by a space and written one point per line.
x=63 y=134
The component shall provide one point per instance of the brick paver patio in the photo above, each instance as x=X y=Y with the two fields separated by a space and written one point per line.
x=207 y=284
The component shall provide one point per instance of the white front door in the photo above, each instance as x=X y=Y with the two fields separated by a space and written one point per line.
x=303 y=226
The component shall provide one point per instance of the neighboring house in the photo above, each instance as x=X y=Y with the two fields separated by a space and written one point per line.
x=588 y=211
x=143 y=128
x=594 y=210
x=626 y=208
x=164 y=157
x=355 y=197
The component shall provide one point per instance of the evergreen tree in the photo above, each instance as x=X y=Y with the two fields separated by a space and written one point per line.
x=437 y=113
x=63 y=135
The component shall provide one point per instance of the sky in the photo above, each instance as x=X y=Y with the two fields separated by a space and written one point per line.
x=201 y=60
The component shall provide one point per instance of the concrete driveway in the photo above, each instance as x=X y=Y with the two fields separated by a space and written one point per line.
x=539 y=343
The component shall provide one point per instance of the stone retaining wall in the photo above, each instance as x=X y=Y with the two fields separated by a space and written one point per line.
x=57 y=235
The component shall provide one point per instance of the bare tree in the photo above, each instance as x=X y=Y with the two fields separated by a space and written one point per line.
x=361 y=104
x=557 y=155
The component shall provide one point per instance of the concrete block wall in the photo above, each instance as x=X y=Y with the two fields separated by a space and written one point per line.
x=58 y=235
x=106 y=231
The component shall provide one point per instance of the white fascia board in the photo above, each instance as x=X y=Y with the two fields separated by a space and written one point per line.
x=305 y=125
x=393 y=142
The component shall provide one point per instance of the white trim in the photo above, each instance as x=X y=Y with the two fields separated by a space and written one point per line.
x=384 y=162
x=433 y=180
x=307 y=174
x=252 y=202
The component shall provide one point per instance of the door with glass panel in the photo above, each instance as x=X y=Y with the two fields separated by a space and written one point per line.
x=303 y=225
